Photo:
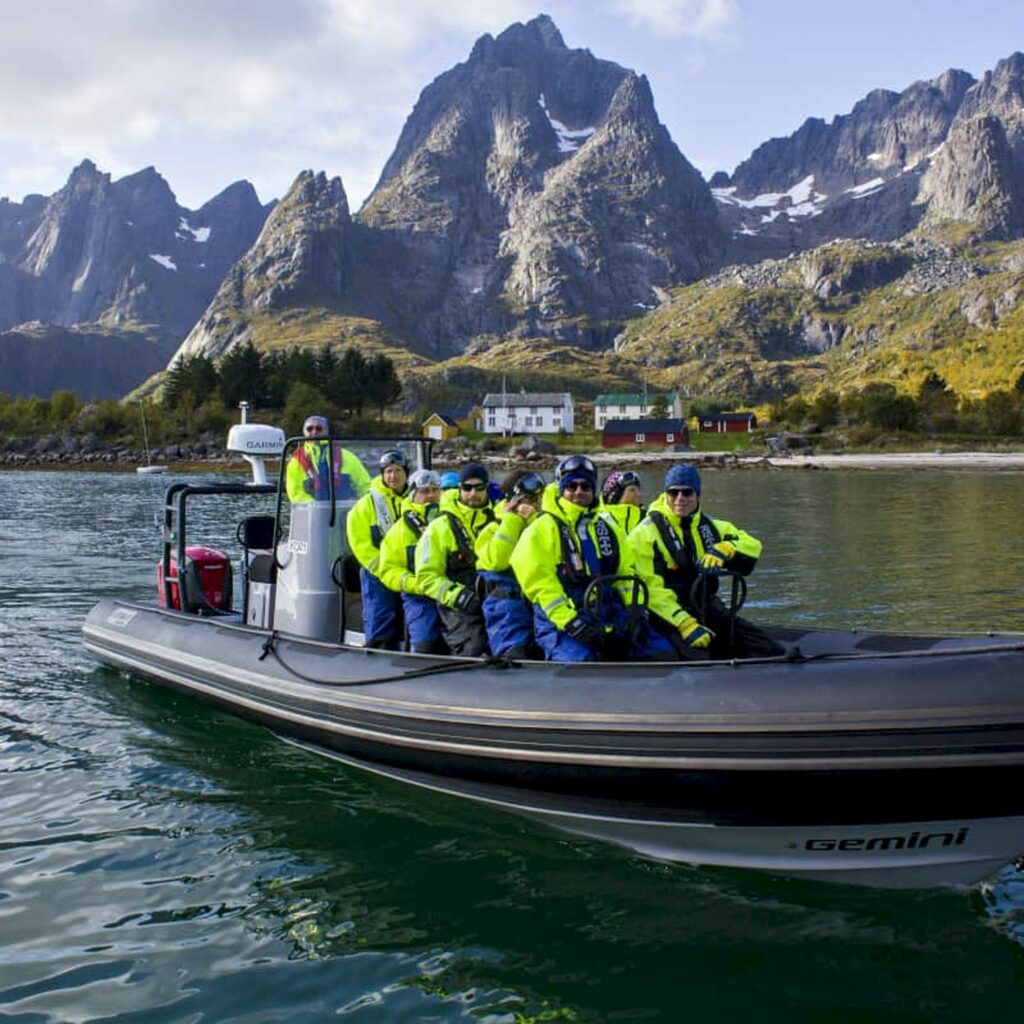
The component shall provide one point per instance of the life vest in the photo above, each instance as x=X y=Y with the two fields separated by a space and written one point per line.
x=683 y=550
x=342 y=485
x=584 y=560
x=417 y=526
x=460 y=565
x=385 y=515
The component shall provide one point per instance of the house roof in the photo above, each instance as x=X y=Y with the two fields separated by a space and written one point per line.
x=519 y=399
x=673 y=426
x=725 y=417
x=441 y=416
x=637 y=399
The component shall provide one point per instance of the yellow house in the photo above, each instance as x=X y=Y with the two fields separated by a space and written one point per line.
x=440 y=427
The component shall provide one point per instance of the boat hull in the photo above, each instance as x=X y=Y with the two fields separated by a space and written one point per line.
x=889 y=768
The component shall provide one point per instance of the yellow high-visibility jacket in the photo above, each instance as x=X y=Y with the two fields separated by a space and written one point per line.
x=368 y=522
x=444 y=566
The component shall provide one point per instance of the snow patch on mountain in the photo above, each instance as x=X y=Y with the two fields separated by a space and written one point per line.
x=569 y=139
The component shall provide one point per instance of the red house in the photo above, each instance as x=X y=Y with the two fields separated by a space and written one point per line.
x=672 y=434
x=727 y=423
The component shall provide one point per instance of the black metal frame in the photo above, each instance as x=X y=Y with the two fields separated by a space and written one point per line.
x=175 y=518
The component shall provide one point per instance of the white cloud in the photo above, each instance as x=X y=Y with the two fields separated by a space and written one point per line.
x=679 y=17
x=209 y=92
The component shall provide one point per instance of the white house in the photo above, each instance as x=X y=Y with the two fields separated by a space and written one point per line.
x=633 y=407
x=527 y=413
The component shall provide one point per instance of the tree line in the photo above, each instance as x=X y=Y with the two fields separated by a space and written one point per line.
x=349 y=383
x=934 y=409
x=200 y=396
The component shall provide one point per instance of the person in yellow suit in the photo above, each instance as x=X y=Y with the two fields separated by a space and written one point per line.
x=397 y=568
x=558 y=558
x=622 y=497
x=446 y=561
x=507 y=614
x=307 y=476
x=365 y=527
x=676 y=544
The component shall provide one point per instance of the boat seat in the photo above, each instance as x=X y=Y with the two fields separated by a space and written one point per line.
x=257 y=532
x=263 y=569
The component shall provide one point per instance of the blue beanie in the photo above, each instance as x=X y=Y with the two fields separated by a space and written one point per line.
x=683 y=475
x=450 y=479
x=473 y=471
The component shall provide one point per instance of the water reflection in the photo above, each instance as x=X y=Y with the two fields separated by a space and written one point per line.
x=161 y=861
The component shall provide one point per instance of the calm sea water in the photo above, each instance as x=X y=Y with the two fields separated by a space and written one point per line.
x=162 y=861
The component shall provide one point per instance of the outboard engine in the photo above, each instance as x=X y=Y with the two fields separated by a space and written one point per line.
x=208 y=581
x=307 y=600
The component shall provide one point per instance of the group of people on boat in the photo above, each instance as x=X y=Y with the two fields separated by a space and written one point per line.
x=530 y=569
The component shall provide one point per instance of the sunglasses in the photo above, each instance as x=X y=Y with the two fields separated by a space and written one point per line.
x=473 y=487
x=680 y=492
x=578 y=485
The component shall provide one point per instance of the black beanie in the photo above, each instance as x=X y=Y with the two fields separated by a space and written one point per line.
x=473 y=471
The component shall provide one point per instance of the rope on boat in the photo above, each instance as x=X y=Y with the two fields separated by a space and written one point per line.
x=792 y=656
x=489 y=661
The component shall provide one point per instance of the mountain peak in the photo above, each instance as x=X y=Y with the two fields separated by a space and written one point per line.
x=540 y=30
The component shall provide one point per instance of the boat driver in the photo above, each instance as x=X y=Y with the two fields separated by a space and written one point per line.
x=676 y=544
x=446 y=561
x=306 y=478
x=556 y=559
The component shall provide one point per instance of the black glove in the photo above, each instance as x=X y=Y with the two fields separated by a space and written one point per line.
x=584 y=631
x=467 y=602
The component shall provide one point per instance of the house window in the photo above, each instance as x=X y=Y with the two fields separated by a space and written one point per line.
x=640 y=438
x=556 y=422
x=670 y=438
x=491 y=422
x=622 y=408
x=528 y=421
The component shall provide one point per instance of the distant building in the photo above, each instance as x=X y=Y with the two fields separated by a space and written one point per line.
x=522 y=413
x=633 y=407
x=440 y=427
x=727 y=423
x=672 y=433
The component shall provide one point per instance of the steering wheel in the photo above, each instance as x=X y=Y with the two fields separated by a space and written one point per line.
x=593 y=596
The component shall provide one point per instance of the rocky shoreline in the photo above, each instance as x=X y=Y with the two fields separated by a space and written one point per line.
x=70 y=454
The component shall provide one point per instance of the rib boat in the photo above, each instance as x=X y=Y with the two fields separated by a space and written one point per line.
x=867 y=758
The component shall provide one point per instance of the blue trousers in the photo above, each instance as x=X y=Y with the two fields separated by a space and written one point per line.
x=382 y=612
x=648 y=645
x=508 y=617
x=423 y=623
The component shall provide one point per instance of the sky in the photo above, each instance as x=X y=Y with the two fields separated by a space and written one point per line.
x=212 y=91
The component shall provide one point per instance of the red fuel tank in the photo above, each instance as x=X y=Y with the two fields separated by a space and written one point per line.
x=214 y=571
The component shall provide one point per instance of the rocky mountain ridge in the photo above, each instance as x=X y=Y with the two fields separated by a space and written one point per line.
x=117 y=257
x=947 y=149
x=534 y=199
x=532 y=192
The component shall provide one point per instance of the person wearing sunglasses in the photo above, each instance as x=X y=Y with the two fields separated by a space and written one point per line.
x=675 y=544
x=621 y=496
x=445 y=561
x=507 y=615
x=397 y=568
x=560 y=554
x=365 y=527
x=307 y=476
